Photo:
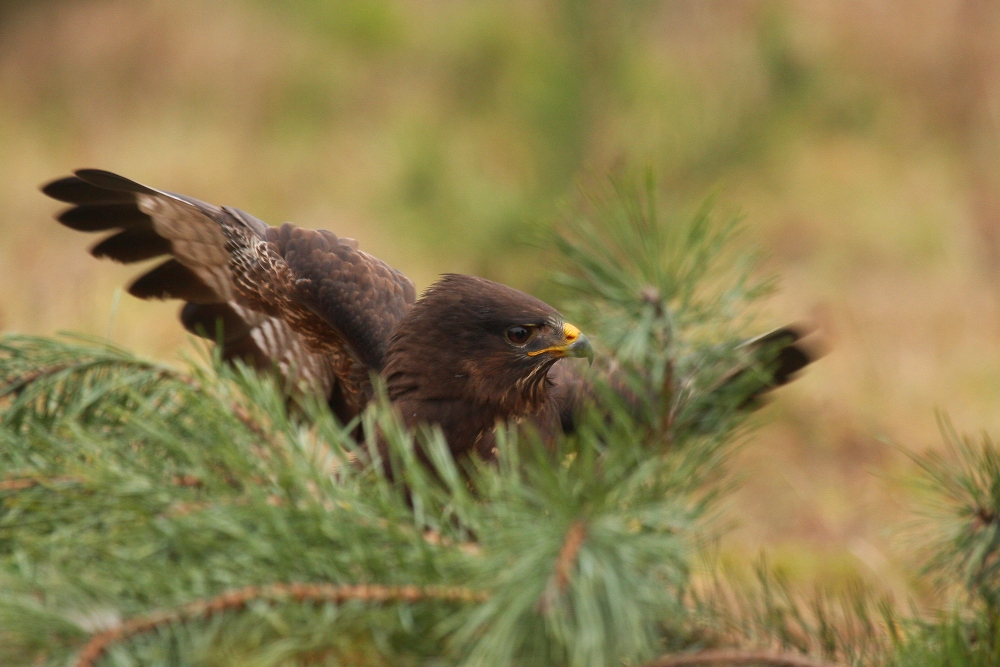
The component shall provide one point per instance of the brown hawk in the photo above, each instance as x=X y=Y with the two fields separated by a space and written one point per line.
x=468 y=354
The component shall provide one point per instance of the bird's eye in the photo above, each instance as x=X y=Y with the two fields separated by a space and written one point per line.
x=520 y=335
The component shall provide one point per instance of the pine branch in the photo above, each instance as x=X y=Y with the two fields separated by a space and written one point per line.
x=738 y=657
x=238 y=599
x=129 y=488
x=958 y=538
x=686 y=290
x=853 y=626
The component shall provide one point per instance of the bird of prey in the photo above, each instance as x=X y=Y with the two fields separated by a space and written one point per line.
x=469 y=354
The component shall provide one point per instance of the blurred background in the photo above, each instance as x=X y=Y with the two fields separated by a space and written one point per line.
x=858 y=139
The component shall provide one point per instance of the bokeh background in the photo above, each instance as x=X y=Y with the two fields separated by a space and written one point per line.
x=859 y=140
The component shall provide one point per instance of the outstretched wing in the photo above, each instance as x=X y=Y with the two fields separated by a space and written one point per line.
x=303 y=301
x=770 y=361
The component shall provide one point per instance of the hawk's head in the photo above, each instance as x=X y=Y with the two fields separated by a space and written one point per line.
x=479 y=341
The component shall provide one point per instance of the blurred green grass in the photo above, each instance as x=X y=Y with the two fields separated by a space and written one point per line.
x=859 y=140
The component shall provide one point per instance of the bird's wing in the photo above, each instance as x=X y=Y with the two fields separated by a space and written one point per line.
x=769 y=361
x=304 y=301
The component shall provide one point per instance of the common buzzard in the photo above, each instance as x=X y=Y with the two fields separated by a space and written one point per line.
x=468 y=354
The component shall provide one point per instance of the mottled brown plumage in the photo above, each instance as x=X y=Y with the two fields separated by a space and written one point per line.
x=469 y=354
x=322 y=311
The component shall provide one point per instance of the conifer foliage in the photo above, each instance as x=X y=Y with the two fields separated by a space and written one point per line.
x=210 y=516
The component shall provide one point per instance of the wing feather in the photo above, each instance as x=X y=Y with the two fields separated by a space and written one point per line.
x=303 y=301
x=173 y=280
x=773 y=359
x=133 y=244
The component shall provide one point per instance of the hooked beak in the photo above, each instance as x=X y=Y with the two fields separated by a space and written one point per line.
x=575 y=345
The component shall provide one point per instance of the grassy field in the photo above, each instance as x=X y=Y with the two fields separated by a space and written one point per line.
x=858 y=140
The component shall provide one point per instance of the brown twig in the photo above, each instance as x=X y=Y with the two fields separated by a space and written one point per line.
x=570 y=549
x=568 y=553
x=17 y=385
x=245 y=418
x=187 y=480
x=22 y=483
x=240 y=598
x=739 y=657
x=17 y=484
x=667 y=405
